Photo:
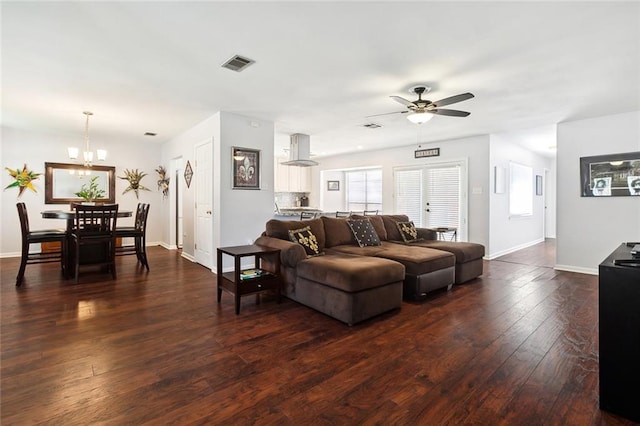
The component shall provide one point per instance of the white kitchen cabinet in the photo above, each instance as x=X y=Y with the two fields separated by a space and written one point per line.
x=281 y=178
x=291 y=178
x=304 y=180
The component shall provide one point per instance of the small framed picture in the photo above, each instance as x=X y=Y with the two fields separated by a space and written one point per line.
x=538 y=185
x=246 y=168
x=333 y=185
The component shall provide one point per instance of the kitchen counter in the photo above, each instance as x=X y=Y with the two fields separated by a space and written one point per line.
x=293 y=213
x=300 y=209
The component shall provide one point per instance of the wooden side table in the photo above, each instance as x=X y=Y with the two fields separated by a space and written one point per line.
x=234 y=283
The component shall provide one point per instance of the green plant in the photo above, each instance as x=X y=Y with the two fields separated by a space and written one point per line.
x=91 y=191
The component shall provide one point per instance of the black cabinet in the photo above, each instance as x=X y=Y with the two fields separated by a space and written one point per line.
x=619 y=320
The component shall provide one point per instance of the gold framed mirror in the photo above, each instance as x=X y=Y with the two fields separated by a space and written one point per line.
x=62 y=181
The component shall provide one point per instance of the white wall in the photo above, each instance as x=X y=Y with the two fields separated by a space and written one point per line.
x=184 y=146
x=590 y=228
x=332 y=201
x=243 y=213
x=475 y=148
x=35 y=148
x=508 y=234
x=239 y=216
x=550 y=185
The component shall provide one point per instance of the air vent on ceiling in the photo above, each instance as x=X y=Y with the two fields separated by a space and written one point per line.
x=150 y=134
x=371 y=126
x=237 y=63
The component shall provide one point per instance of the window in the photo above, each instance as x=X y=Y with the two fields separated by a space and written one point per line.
x=520 y=190
x=364 y=190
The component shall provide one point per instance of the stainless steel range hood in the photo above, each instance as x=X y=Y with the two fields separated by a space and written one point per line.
x=300 y=151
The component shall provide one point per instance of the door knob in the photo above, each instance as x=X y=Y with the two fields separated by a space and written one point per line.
x=208 y=211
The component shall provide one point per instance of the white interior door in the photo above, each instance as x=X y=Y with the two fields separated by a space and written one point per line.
x=204 y=204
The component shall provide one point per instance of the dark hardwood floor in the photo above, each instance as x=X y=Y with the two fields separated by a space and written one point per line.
x=518 y=346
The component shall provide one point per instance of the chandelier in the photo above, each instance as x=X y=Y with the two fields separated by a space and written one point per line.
x=87 y=154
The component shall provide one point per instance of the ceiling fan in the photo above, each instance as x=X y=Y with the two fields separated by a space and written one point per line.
x=422 y=110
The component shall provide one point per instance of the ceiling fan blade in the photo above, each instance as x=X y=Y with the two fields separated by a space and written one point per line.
x=387 y=113
x=403 y=101
x=451 y=112
x=452 y=100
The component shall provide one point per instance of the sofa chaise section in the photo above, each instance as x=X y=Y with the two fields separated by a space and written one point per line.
x=346 y=287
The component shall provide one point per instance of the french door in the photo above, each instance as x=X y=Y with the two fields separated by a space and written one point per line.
x=433 y=195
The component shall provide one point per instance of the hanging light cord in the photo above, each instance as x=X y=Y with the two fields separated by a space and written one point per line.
x=86 y=136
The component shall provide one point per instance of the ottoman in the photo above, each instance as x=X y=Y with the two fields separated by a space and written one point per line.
x=468 y=257
x=426 y=269
x=348 y=288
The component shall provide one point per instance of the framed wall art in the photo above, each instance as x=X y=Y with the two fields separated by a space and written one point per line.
x=245 y=167
x=188 y=174
x=538 y=185
x=613 y=175
x=333 y=185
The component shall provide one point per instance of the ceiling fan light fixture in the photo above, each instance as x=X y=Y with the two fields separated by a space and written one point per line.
x=419 y=117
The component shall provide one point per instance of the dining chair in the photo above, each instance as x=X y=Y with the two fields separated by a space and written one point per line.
x=139 y=233
x=95 y=230
x=36 y=237
x=343 y=214
x=307 y=215
x=370 y=212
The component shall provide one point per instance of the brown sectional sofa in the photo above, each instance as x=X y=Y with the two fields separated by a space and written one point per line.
x=353 y=283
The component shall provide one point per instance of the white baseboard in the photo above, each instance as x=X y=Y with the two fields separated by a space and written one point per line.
x=188 y=257
x=11 y=254
x=514 y=249
x=578 y=269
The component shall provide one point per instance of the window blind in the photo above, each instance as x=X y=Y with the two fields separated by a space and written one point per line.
x=443 y=196
x=364 y=190
x=408 y=194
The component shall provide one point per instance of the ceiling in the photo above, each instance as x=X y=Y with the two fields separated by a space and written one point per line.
x=321 y=68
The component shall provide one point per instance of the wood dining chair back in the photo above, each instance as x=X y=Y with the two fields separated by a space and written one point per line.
x=307 y=215
x=343 y=214
x=139 y=234
x=37 y=237
x=95 y=230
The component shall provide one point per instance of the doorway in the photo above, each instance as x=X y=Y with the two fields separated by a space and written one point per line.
x=176 y=233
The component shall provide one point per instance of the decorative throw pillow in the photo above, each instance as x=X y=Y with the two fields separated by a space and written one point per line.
x=408 y=232
x=364 y=232
x=306 y=239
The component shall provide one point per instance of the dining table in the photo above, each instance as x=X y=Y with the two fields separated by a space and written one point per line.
x=87 y=256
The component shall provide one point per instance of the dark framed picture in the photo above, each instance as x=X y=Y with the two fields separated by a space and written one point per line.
x=333 y=185
x=538 y=185
x=245 y=167
x=612 y=175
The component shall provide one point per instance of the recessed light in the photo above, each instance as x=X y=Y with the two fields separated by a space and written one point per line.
x=360 y=147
